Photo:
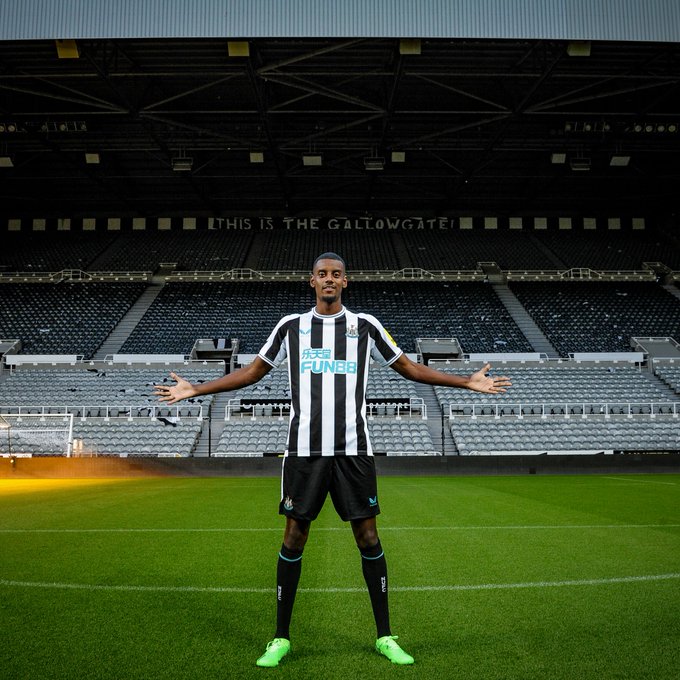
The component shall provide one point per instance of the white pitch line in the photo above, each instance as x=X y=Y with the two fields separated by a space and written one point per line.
x=398 y=589
x=641 y=481
x=509 y=527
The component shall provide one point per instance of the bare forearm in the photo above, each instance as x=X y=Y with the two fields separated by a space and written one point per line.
x=480 y=381
x=424 y=374
x=233 y=381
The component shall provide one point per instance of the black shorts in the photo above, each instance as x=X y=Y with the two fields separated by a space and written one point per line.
x=306 y=481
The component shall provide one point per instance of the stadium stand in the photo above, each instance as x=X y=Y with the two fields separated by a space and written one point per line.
x=471 y=312
x=78 y=388
x=64 y=318
x=183 y=312
x=453 y=250
x=599 y=317
x=364 y=251
x=75 y=318
x=297 y=250
x=211 y=250
x=670 y=374
x=246 y=436
x=384 y=385
x=566 y=383
x=51 y=252
x=135 y=437
x=506 y=435
x=611 y=251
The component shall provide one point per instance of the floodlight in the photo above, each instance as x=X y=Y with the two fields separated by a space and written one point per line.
x=618 y=160
x=373 y=163
x=312 y=159
x=182 y=163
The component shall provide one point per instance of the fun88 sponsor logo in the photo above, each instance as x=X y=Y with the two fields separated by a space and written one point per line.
x=318 y=360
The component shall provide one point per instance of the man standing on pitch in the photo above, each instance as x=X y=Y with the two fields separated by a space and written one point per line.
x=329 y=350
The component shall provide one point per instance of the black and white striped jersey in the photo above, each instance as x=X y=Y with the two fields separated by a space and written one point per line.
x=328 y=360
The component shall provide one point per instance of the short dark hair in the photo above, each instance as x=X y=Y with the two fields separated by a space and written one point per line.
x=329 y=256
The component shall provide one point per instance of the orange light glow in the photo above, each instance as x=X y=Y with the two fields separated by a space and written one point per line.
x=12 y=487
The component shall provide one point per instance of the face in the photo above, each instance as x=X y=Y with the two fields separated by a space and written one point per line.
x=328 y=279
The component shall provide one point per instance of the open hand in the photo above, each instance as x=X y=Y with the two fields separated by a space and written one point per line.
x=481 y=382
x=182 y=389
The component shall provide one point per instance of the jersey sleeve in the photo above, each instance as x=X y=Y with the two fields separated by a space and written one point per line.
x=275 y=349
x=384 y=349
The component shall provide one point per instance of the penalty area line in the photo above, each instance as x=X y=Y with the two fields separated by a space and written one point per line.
x=399 y=589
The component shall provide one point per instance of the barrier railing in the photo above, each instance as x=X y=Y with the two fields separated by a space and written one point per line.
x=408 y=274
x=236 y=409
x=102 y=411
x=565 y=409
x=414 y=408
x=73 y=275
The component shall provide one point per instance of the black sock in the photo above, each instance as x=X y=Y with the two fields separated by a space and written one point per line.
x=287 y=577
x=374 y=566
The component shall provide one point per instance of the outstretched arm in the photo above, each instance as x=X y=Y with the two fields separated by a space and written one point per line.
x=233 y=381
x=479 y=381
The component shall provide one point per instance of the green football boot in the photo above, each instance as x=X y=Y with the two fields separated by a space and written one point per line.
x=276 y=650
x=387 y=646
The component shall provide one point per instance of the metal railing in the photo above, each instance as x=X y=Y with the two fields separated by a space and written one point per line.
x=73 y=275
x=109 y=411
x=414 y=408
x=565 y=409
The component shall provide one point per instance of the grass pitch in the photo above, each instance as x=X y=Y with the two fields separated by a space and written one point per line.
x=490 y=577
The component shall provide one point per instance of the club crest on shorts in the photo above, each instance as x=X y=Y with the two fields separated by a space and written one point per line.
x=352 y=332
x=288 y=503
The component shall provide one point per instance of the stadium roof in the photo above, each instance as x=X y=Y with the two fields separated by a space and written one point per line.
x=216 y=126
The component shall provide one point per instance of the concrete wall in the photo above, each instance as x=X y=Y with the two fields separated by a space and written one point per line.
x=37 y=468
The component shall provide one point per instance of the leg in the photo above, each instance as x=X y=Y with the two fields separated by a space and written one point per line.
x=287 y=577
x=288 y=573
x=374 y=568
x=304 y=486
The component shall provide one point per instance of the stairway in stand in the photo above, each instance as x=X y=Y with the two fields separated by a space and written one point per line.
x=434 y=421
x=212 y=428
x=126 y=325
x=525 y=323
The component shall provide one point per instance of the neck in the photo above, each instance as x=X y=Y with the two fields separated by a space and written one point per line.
x=328 y=308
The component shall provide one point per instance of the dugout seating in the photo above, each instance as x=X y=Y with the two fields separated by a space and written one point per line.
x=599 y=317
x=256 y=437
x=64 y=318
x=475 y=436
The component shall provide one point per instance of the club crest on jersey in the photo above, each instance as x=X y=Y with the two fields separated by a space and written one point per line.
x=352 y=332
x=288 y=503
